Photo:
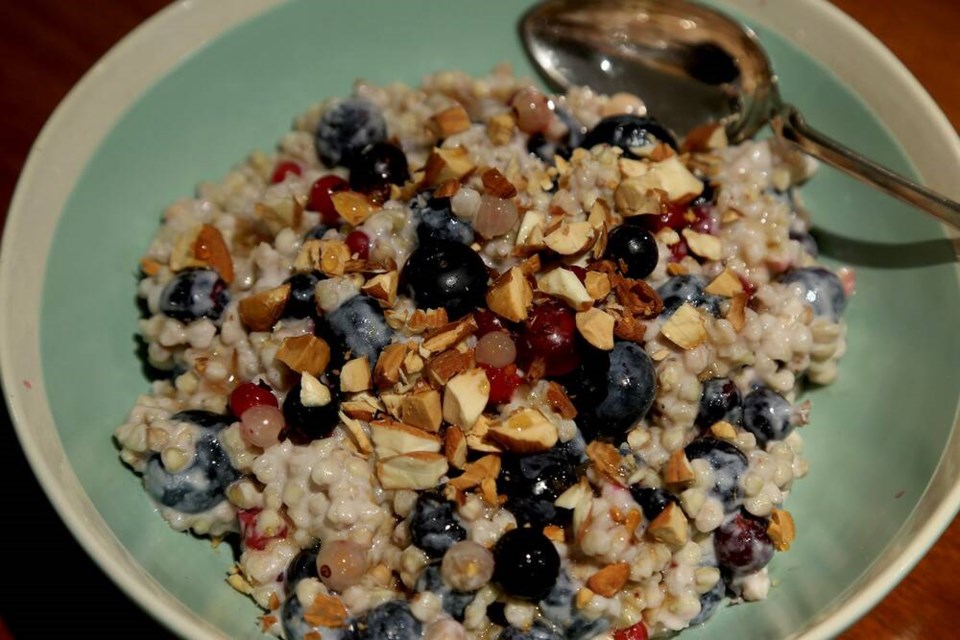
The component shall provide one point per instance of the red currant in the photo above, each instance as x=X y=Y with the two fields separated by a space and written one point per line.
x=284 y=169
x=359 y=243
x=636 y=632
x=679 y=250
x=503 y=382
x=320 y=200
x=488 y=321
x=252 y=538
x=550 y=334
x=580 y=272
x=248 y=395
x=672 y=217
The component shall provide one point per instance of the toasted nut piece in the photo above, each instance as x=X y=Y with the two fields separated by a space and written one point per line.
x=416 y=470
x=724 y=430
x=597 y=285
x=412 y=363
x=387 y=372
x=606 y=458
x=447 y=164
x=559 y=401
x=704 y=244
x=571 y=238
x=313 y=393
x=706 y=137
x=782 y=529
x=423 y=409
x=564 y=284
x=455 y=447
x=358 y=409
x=465 y=397
x=392 y=402
x=670 y=527
x=736 y=314
x=670 y=177
x=511 y=295
x=355 y=375
x=442 y=338
x=596 y=327
x=500 y=128
x=329 y=256
x=531 y=220
x=261 y=311
x=421 y=321
x=353 y=207
x=277 y=216
x=447 y=190
x=634 y=197
x=383 y=287
x=305 y=353
x=726 y=284
x=531 y=265
x=181 y=253
x=211 y=249
x=678 y=470
x=476 y=472
x=450 y=121
x=631 y=168
x=677 y=269
x=525 y=431
x=496 y=184
x=393 y=438
x=555 y=533
x=685 y=328
x=446 y=365
x=356 y=432
x=150 y=267
x=583 y=598
x=609 y=580
x=574 y=495
x=326 y=611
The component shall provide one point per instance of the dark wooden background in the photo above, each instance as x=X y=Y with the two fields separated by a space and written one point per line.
x=51 y=589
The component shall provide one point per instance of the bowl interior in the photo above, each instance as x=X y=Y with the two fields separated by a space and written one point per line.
x=876 y=435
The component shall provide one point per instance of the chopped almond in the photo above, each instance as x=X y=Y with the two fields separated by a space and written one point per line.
x=704 y=244
x=609 y=580
x=736 y=314
x=465 y=397
x=353 y=207
x=670 y=527
x=596 y=327
x=423 y=409
x=685 y=328
x=442 y=338
x=455 y=447
x=678 y=469
x=500 y=128
x=450 y=121
x=355 y=375
x=305 y=354
x=726 y=284
x=511 y=295
x=597 y=285
x=571 y=238
x=392 y=438
x=559 y=401
x=564 y=284
x=441 y=367
x=496 y=184
x=211 y=249
x=387 y=372
x=782 y=529
x=417 y=470
x=525 y=431
x=383 y=287
x=447 y=164
x=261 y=311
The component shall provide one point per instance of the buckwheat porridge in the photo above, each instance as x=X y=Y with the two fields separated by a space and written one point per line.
x=471 y=361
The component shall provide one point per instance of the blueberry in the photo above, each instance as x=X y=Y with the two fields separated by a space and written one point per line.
x=295 y=627
x=198 y=487
x=536 y=632
x=710 y=602
x=633 y=249
x=821 y=288
x=707 y=196
x=628 y=132
x=358 y=324
x=767 y=415
x=546 y=149
x=612 y=390
x=205 y=419
x=306 y=424
x=652 y=501
x=303 y=565
x=729 y=464
x=347 y=129
x=719 y=400
x=559 y=609
x=377 y=167
x=527 y=564
x=193 y=294
x=455 y=603
x=302 y=301
x=541 y=475
x=391 y=620
x=807 y=241
x=317 y=232
x=433 y=524
x=583 y=629
x=445 y=274
x=742 y=544
x=435 y=221
x=537 y=512
x=687 y=288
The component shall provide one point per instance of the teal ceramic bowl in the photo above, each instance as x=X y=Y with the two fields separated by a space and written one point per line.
x=198 y=86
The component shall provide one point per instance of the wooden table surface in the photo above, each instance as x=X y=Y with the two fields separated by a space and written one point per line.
x=46 y=46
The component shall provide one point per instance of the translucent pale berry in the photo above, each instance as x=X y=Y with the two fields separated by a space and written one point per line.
x=261 y=425
x=534 y=110
x=341 y=564
x=496 y=349
x=496 y=216
x=467 y=566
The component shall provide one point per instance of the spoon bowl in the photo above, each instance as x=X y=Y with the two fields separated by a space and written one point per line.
x=692 y=65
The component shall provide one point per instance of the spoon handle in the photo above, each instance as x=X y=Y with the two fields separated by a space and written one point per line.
x=790 y=125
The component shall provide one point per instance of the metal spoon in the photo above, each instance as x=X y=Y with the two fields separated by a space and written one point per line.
x=691 y=65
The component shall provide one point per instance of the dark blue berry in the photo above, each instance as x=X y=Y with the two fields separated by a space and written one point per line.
x=742 y=544
x=306 y=424
x=193 y=294
x=358 y=324
x=767 y=415
x=390 y=621
x=206 y=419
x=377 y=167
x=435 y=221
x=303 y=565
x=652 y=501
x=455 y=603
x=302 y=301
x=317 y=232
x=541 y=475
x=719 y=400
x=347 y=129
x=559 y=609
x=526 y=564
x=537 y=512
x=710 y=603
x=546 y=149
x=445 y=274
x=628 y=132
x=729 y=464
x=612 y=390
x=707 y=196
x=434 y=527
x=822 y=290
x=687 y=288
x=536 y=632
x=583 y=629
x=633 y=249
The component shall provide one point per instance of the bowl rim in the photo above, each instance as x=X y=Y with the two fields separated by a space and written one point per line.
x=146 y=54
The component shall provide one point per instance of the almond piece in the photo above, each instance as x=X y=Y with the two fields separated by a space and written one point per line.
x=358 y=409
x=704 y=244
x=326 y=611
x=446 y=190
x=574 y=495
x=181 y=253
x=305 y=354
x=736 y=314
x=559 y=401
x=554 y=533
x=609 y=580
x=352 y=206
x=525 y=431
x=724 y=430
x=782 y=529
x=450 y=121
x=442 y=338
x=383 y=287
x=447 y=164
x=455 y=447
x=531 y=220
x=669 y=176
x=707 y=137
x=635 y=197
x=564 y=284
x=496 y=184
x=670 y=527
x=511 y=296
x=500 y=128
x=465 y=397
x=280 y=215
x=423 y=409
x=596 y=327
x=583 y=598
x=631 y=168
x=313 y=393
x=597 y=285
x=421 y=321
x=677 y=269
x=355 y=375
x=685 y=328
x=570 y=238
x=476 y=472
x=606 y=458
x=394 y=438
x=418 y=470
x=412 y=363
x=387 y=371
x=531 y=265
x=329 y=256
x=211 y=249
x=726 y=284
x=356 y=432
x=678 y=469
x=261 y=311
x=446 y=365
